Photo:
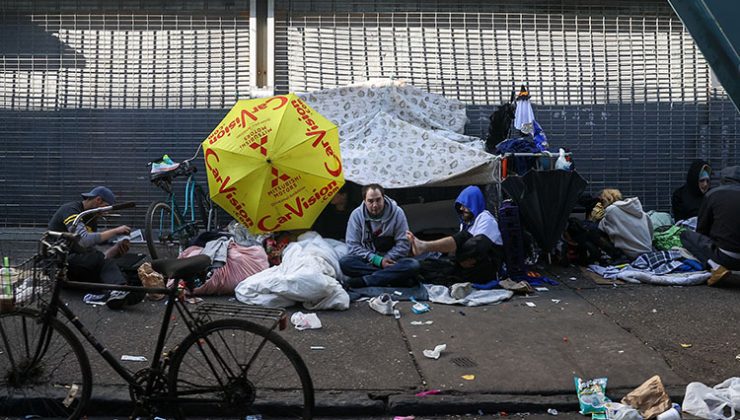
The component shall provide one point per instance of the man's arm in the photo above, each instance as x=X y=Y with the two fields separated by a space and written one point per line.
x=88 y=239
x=402 y=246
x=353 y=237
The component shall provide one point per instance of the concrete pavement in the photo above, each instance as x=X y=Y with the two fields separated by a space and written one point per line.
x=515 y=358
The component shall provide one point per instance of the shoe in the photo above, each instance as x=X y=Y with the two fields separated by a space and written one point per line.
x=383 y=304
x=159 y=167
x=718 y=274
x=116 y=299
x=461 y=290
x=134 y=297
x=354 y=283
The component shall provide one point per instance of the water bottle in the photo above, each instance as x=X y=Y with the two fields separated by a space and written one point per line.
x=7 y=301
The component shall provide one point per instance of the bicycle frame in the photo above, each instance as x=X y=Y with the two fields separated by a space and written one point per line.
x=157 y=365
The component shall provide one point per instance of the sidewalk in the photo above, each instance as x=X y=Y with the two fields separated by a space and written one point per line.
x=514 y=357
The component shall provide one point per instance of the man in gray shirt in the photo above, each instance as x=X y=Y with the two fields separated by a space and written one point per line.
x=378 y=247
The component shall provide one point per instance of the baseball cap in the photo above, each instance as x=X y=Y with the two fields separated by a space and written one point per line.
x=103 y=192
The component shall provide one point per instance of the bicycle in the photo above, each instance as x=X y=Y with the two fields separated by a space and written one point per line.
x=227 y=364
x=168 y=229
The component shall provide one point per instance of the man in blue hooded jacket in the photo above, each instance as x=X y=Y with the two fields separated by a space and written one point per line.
x=378 y=248
x=478 y=246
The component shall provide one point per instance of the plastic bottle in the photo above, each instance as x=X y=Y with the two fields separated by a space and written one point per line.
x=7 y=303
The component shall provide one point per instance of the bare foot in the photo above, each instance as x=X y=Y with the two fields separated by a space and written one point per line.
x=416 y=245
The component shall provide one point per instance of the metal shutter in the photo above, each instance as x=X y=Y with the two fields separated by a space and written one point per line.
x=621 y=84
x=90 y=91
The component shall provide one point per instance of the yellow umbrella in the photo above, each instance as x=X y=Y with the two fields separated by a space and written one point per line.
x=273 y=163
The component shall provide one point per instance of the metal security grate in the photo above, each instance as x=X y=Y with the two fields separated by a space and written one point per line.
x=621 y=84
x=90 y=92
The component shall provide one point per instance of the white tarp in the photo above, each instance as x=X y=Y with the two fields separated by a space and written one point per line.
x=400 y=136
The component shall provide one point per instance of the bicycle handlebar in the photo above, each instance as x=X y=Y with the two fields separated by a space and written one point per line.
x=103 y=209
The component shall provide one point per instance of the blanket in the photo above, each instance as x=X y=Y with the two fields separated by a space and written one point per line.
x=309 y=274
x=241 y=262
x=631 y=275
x=441 y=294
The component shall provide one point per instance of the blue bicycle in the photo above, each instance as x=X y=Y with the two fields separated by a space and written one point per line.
x=169 y=228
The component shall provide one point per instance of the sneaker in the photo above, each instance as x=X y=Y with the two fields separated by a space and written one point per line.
x=383 y=304
x=159 y=167
x=460 y=291
x=354 y=283
x=116 y=299
x=718 y=274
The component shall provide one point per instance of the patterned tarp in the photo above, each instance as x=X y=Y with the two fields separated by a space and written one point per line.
x=400 y=136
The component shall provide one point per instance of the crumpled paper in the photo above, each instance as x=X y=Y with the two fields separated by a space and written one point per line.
x=305 y=321
x=150 y=278
x=650 y=398
x=434 y=354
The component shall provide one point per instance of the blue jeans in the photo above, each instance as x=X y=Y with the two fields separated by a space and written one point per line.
x=401 y=274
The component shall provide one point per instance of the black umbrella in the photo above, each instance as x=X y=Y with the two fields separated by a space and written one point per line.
x=545 y=200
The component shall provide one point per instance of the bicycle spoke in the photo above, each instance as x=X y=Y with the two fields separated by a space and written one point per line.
x=243 y=367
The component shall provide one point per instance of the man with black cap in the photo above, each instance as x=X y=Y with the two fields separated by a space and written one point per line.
x=89 y=264
x=716 y=242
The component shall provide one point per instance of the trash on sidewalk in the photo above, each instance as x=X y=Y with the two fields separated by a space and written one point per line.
x=152 y=279
x=129 y=358
x=468 y=377
x=305 y=321
x=521 y=287
x=687 y=345
x=591 y=395
x=428 y=392
x=430 y=322
x=650 y=398
x=552 y=411
x=673 y=413
x=434 y=354
x=461 y=290
x=619 y=411
x=419 y=307
x=404 y=418
x=383 y=304
x=555 y=301
x=530 y=304
x=396 y=314
x=715 y=403
x=317 y=347
x=542 y=289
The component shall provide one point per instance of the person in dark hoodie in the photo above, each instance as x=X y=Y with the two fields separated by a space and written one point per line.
x=716 y=242
x=378 y=248
x=478 y=246
x=687 y=199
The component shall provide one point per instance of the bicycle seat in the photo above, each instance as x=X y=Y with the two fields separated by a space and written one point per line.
x=182 y=268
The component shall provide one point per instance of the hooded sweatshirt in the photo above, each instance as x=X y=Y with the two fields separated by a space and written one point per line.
x=483 y=221
x=628 y=227
x=718 y=216
x=687 y=199
x=365 y=234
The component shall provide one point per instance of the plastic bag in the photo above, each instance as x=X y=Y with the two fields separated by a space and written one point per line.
x=618 y=411
x=591 y=395
x=715 y=403
x=242 y=236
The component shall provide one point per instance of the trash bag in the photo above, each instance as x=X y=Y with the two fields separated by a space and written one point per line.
x=718 y=403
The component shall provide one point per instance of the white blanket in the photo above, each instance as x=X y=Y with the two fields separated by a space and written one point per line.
x=441 y=294
x=308 y=274
x=400 y=136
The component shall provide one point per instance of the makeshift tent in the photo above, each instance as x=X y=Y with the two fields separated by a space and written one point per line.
x=545 y=200
x=400 y=136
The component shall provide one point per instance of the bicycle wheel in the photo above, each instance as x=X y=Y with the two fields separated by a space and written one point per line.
x=43 y=371
x=237 y=368
x=165 y=236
